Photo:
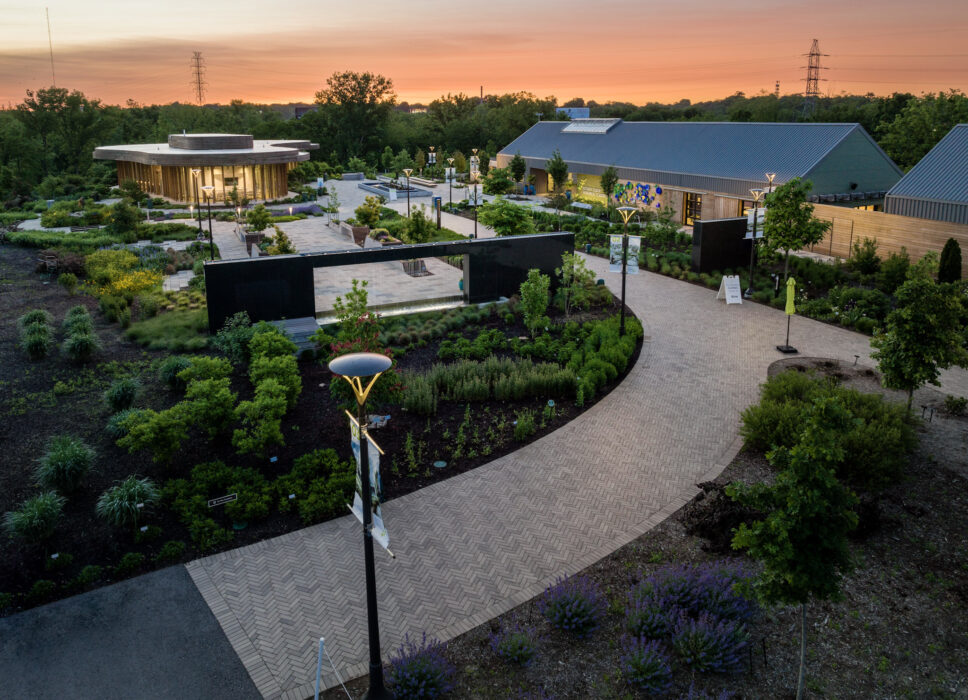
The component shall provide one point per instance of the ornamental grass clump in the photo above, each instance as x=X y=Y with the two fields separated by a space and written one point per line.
x=574 y=604
x=515 y=643
x=36 y=518
x=120 y=423
x=81 y=347
x=170 y=368
x=121 y=394
x=119 y=505
x=36 y=333
x=65 y=464
x=646 y=666
x=420 y=671
x=707 y=643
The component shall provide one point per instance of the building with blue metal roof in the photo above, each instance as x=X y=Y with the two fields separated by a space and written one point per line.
x=706 y=169
x=937 y=187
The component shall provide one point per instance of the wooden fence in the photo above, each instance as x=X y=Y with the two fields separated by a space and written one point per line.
x=892 y=232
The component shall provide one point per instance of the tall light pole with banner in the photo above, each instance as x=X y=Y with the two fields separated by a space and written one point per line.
x=475 y=172
x=354 y=368
x=408 y=172
x=431 y=157
x=616 y=259
x=757 y=196
x=450 y=181
x=209 y=194
x=195 y=173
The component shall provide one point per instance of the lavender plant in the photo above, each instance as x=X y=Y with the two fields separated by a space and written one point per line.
x=419 y=672
x=645 y=617
x=574 y=604
x=711 y=588
x=706 y=643
x=646 y=666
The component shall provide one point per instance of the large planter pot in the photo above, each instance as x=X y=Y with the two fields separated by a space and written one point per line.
x=360 y=234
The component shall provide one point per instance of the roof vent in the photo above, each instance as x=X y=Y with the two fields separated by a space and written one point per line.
x=590 y=126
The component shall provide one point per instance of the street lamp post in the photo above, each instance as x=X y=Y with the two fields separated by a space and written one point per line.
x=431 y=159
x=626 y=213
x=408 y=172
x=209 y=191
x=757 y=194
x=450 y=181
x=355 y=367
x=473 y=173
x=195 y=173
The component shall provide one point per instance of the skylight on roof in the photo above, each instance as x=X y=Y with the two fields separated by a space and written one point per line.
x=590 y=126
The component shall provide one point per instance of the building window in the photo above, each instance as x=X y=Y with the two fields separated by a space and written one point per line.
x=691 y=207
x=870 y=207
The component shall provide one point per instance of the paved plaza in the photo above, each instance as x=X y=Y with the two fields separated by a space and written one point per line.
x=478 y=544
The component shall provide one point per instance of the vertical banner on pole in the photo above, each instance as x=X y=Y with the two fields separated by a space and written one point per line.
x=376 y=485
x=632 y=260
x=614 y=253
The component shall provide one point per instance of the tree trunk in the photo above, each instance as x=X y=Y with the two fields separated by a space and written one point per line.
x=910 y=399
x=803 y=649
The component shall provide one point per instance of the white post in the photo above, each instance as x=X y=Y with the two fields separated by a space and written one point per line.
x=319 y=665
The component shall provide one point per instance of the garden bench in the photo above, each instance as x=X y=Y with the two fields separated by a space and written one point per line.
x=422 y=181
x=79 y=229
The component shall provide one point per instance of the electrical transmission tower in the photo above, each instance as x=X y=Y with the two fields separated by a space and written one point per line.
x=198 y=76
x=813 y=78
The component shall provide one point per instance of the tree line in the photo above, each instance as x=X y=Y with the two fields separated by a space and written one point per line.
x=47 y=140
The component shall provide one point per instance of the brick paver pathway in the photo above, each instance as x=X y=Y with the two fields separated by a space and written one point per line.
x=478 y=544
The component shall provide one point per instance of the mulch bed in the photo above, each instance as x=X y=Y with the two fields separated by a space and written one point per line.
x=31 y=411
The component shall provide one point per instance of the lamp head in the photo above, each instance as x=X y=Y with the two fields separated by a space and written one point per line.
x=355 y=366
x=757 y=194
x=451 y=161
x=209 y=190
x=196 y=171
x=626 y=213
x=770 y=177
x=407 y=172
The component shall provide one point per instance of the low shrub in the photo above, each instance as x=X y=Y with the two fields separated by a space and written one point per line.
x=234 y=337
x=171 y=368
x=78 y=324
x=646 y=666
x=419 y=396
x=574 y=604
x=280 y=368
x=524 y=424
x=955 y=405
x=36 y=518
x=321 y=484
x=171 y=552
x=121 y=394
x=41 y=592
x=203 y=367
x=180 y=330
x=68 y=280
x=160 y=432
x=875 y=448
x=210 y=404
x=35 y=316
x=419 y=671
x=189 y=497
x=515 y=644
x=646 y=618
x=119 y=505
x=117 y=425
x=65 y=464
x=36 y=341
x=130 y=563
x=87 y=577
x=700 y=589
x=261 y=419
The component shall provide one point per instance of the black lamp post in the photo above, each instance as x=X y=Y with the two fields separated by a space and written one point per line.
x=408 y=172
x=450 y=182
x=209 y=191
x=355 y=367
x=626 y=213
x=757 y=194
x=198 y=202
x=474 y=172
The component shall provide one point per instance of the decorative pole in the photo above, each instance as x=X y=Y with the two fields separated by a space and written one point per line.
x=757 y=194
x=450 y=181
x=209 y=193
x=353 y=368
x=195 y=173
x=407 y=172
x=626 y=213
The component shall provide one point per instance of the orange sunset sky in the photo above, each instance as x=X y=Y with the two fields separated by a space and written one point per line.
x=597 y=49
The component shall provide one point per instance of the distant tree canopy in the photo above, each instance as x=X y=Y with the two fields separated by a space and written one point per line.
x=46 y=141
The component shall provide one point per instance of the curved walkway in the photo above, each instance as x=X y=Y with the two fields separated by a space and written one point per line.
x=476 y=545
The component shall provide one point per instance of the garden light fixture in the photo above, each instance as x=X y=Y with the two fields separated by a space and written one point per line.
x=408 y=172
x=757 y=195
x=209 y=191
x=626 y=214
x=354 y=368
x=195 y=173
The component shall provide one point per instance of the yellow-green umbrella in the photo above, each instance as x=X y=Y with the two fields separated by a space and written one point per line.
x=791 y=309
x=791 y=291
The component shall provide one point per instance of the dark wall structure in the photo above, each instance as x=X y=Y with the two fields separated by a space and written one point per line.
x=719 y=244
x=282 y=286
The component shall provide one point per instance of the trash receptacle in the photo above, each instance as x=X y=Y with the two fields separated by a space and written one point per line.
x=588 y=247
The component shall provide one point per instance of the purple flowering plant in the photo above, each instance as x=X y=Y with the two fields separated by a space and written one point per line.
x=574 y=604
x=420 y=671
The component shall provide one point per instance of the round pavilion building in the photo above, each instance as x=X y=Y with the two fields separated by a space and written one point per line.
x=180 y=168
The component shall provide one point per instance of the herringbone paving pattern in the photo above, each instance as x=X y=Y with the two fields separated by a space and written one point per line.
x=478 y=544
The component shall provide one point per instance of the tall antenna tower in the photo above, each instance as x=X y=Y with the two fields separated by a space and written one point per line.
x=813 y=78
x=198 y=76
x=777 y=93
x=50 y=42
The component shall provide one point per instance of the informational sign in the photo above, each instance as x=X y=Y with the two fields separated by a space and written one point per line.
x=393 y=195
x=222 y=500
x=729 y=290
x=373 y=451
x=632 y=255
x=449 y=174
x=320 y=183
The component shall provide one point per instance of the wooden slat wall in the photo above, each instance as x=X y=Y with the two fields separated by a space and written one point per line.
x=889 y=230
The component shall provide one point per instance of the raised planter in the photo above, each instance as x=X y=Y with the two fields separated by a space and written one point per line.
x=353 y=176
x=357 y=233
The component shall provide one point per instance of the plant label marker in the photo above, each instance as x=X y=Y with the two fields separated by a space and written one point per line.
x=144 y=528
x=273 y=459
x=222 y=500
